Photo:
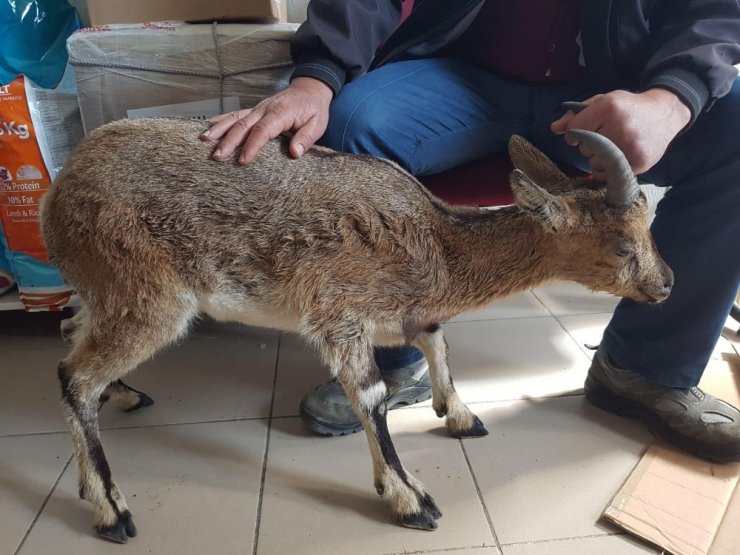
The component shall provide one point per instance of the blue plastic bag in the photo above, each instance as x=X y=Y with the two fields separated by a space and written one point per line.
x=33 y=39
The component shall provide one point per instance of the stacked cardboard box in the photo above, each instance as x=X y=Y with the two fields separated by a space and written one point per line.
x=120 y=69
x=103 y=12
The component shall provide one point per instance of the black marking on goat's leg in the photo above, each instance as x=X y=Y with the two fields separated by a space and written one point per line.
x=353 y=364
x=84 y=416
x=426 y=517
x=129 y=399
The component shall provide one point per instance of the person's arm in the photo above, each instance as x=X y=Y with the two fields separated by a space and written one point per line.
x=697 y=44
x=337 y=42
x=339 y=39
x=692 y=65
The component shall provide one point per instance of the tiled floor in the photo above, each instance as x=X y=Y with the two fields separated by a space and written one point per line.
x=221 y=464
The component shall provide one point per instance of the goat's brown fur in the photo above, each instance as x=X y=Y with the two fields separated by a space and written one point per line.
x=350 y=251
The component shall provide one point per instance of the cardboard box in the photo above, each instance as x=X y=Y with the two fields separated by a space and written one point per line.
x=122 y=69
x=104 y=12
x=681 y=503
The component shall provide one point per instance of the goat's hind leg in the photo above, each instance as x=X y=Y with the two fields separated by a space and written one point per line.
x=461 y=422
x=128 y=398
x=100 y=356
x=353 y=364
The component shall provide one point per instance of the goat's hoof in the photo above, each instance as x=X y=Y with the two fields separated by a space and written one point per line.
x=430 y=506
x=441 y=411
x=477 y=429
x=421 y=521
x=144 y=401
x=67 y=330
x=121 y=531
x=82 y=491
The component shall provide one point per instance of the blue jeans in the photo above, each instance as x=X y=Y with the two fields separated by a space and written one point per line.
x=431 y=115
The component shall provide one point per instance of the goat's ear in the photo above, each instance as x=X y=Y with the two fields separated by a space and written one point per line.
x=536 y=165
x=548 y=209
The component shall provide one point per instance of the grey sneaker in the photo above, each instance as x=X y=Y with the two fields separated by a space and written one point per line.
x=327 y=411
x=687 y=417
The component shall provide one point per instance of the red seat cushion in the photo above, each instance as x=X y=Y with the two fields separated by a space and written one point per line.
x=480 y=183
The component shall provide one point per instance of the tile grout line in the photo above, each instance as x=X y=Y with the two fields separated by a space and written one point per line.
x=480 y=496
x=442 y=550
x=572 y=393
x=43 y=505
x=263 y=475
x=570 y=538
x=562 y=326
x=581 y=346
x=164 y=425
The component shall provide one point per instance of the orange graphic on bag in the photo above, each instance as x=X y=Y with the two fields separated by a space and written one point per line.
x=23 y=175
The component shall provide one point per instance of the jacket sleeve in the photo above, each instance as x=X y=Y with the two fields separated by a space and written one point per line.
x=696 y=48
x=339 y=38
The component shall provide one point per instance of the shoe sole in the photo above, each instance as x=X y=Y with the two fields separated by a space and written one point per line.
x=403 y=398
x=603 y=398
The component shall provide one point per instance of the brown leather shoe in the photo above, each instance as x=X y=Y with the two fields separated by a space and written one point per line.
x=687 y=417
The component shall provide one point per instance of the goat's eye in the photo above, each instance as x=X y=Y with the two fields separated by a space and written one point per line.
x=624 y=252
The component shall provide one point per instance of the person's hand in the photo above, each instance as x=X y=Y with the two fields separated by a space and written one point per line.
x=302 y=108
x=642 y=125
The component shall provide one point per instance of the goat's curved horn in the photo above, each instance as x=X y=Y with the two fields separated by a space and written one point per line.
x=621 y=183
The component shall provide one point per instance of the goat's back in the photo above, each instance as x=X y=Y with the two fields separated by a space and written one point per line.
x=145 y=196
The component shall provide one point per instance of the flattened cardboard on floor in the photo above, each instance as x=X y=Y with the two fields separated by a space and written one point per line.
x=104 y=12
x=679 y=502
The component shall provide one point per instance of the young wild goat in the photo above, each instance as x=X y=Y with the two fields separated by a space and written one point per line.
x=349 y=251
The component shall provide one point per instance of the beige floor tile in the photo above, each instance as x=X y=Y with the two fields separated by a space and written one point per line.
x=463 y=551
x=511 y=359
x=567 y=298
x=209 y=376
x=29 y=466
x=319 y=496
x=601 y=545
x=26 y=330
x=192 y=489
x=586 y=329
x=219 y=375
x=521 y=305
x=549 y=467
x=29 y=391
x=299 y=371
x=732 y=333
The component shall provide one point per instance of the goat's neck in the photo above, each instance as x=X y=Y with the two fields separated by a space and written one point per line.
x=493 y=254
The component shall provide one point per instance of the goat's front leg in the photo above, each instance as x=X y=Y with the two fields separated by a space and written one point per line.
x=352 y=363
x=70 y=327
x=461 y=422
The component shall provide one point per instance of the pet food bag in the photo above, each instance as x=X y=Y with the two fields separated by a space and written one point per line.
x=39 y=124
x=38 y=129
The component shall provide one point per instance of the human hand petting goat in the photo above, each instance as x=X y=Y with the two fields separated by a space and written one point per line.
x=302 y=108
x=642 y=125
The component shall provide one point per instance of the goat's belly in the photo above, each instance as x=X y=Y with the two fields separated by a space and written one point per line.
x=227 y=308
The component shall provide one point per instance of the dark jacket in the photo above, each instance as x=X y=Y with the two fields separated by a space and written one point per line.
x=687 y=46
